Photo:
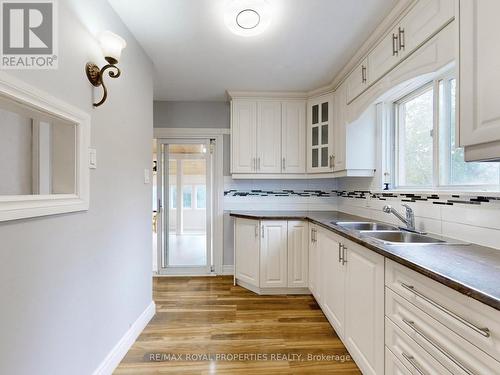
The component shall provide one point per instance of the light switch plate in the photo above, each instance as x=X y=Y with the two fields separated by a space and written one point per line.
x=92 y=158
x=147 y=178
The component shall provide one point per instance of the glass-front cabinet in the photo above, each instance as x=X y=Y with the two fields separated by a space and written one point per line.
x=320 y=135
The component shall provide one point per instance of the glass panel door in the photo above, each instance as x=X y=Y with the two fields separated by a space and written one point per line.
x=186 y=241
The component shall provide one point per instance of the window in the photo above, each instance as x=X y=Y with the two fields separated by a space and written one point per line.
x=173 y=196
x=187 y=196
x=201 y=196
x=426 y=154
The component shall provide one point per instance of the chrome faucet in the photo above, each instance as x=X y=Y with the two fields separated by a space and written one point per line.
x=409 y=220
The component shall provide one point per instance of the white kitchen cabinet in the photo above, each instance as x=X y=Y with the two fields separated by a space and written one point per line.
x=357 y=81
x=339 y=160
x=479 y=79
x=364 y=307
x=244 y=136
x=332 y=279
x=293 y=137
x=314 y=264
x=393 y=366
x=268 y=137
x=422 y=21
x=273 y=254
x=247 y=251
x=320 y=134
x=298 y=255
x=384 y=56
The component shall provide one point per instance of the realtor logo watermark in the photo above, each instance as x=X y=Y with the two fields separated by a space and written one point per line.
x=29 y=34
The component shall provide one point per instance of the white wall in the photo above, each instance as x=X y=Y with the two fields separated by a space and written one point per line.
x=71 y=285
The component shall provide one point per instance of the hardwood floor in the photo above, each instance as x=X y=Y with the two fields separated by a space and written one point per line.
x=234 y=331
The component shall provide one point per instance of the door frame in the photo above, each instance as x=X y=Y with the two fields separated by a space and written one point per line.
x=198 y=134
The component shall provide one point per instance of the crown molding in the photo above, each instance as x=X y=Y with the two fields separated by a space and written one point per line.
x=266 y=94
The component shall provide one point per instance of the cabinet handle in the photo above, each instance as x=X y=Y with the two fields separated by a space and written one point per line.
x=482 y=331
x=254 y=164
x=344 y=260
x=394 y=45
x=262 y=231
x=412 y=325
x=363 y=74
x=340 y=252
x=401 y=33
x=284 y=163
x=258 y=163
x=256 y=230
x=413 y=362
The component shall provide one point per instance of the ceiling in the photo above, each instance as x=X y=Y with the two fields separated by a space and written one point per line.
x=197 y=58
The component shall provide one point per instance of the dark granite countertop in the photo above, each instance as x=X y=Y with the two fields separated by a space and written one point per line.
x=470 y=269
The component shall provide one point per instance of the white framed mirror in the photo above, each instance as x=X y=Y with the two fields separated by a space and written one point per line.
x=44 y=146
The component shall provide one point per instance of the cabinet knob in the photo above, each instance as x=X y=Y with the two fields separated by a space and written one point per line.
x=394 y=45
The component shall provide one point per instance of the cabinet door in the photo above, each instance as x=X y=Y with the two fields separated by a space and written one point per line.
x=246 y=243
x=332 y=279
x=383 y=57
x=293 y=137
x=357 y=82
x=273 y=254
x=425 y=19
x=320 y=135
x=364 y=314
x=339 y=156
x=479 y=72
x=298 y=243
x=269 y=137
x=243 y=136
x=313 y=262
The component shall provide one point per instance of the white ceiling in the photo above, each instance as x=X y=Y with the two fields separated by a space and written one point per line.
x=197 y=58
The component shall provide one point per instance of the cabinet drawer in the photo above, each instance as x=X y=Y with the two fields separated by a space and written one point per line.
x=409 y=353
x=461 y=314
x=454 y=352
x=393 y=366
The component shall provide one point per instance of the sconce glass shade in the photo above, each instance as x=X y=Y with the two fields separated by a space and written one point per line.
x=111 y=45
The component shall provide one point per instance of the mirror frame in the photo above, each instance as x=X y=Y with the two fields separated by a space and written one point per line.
x=13 y=207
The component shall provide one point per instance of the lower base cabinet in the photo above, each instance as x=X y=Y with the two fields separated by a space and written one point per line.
x=271 y=256
x=350 y=291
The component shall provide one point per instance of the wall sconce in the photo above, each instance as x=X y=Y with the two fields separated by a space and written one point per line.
x=112 y=46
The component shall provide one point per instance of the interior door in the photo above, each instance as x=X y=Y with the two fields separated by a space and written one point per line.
x=185 y=190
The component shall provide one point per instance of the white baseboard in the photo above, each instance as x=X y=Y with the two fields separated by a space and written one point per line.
x=114 y=357
x=228 y=269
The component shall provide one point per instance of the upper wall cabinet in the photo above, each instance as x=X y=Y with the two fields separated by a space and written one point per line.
x=423 y=20
x=479 y=83
x=357 y=82
x=293 y=140
x=244 y=136
x=320 y=134
x=268 y=137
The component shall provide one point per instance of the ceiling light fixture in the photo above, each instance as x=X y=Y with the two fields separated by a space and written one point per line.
x=247 y=17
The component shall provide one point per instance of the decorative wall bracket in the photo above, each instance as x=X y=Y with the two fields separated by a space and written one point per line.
x=112 y=46
x=96 y=76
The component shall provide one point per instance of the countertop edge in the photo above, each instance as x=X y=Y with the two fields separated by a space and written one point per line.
x=442 y=279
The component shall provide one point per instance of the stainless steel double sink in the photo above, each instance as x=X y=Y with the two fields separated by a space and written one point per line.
x=392 y=235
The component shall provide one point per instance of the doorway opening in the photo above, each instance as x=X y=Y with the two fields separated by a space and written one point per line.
x=185 y=206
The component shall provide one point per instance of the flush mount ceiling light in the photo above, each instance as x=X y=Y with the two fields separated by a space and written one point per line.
x=247 y=17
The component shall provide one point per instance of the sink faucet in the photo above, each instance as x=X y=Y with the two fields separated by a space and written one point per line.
x=409 y=220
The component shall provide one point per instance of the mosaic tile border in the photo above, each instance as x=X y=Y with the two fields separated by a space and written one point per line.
x=434 y=198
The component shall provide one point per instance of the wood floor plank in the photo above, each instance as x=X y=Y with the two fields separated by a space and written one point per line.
x=205 y=325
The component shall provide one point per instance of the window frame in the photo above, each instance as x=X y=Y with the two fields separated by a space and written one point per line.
x=394 y=143
x=196 y=188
